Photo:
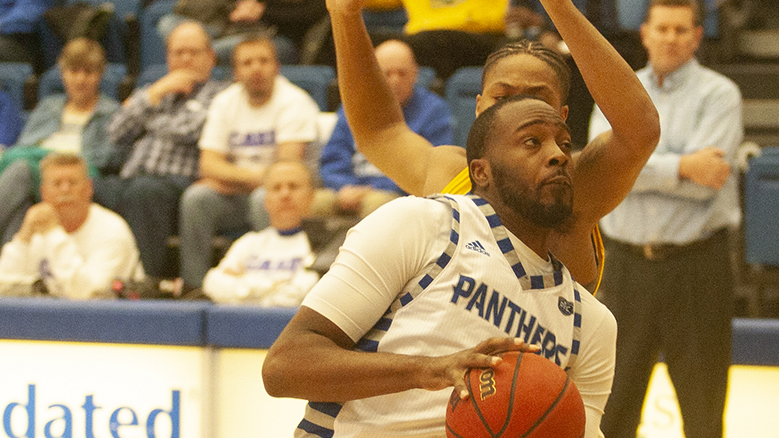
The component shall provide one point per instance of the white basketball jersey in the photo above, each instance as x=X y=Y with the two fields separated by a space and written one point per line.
x=482 y=286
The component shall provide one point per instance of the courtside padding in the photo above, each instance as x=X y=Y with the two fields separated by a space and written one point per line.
x=160 y=322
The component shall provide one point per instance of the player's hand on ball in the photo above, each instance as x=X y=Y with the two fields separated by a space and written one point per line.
x=446 y=371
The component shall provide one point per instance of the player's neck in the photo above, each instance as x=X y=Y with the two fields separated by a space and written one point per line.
x=533 y=236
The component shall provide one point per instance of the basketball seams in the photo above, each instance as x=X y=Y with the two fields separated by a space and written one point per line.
x=550 y=409
x=510 y=408
x=514 y=380
x=476 y=406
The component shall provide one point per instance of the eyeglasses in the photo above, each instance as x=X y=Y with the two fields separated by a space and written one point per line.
x=187 y=51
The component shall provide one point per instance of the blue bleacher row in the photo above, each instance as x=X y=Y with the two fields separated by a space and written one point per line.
x=318 y=80
x=132 y=32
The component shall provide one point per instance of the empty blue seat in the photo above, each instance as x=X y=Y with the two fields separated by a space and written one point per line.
x=425 y=77
x=153 y=73
x=461 y=91
x=51 y=81
x=631 y=13
x=114 y=41
x=152 y=44
x=390 y=20
x=13 y=76
x=315 y=79
x=761 y=204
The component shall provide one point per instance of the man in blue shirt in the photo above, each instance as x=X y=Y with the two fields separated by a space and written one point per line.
x=352 y=184
x=668 y=279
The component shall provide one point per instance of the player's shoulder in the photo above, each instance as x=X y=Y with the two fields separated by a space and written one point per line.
x=407 y=213
x=595 y=312
x=415 y=206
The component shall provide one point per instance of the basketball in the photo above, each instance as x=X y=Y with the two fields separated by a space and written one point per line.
x=524 y=396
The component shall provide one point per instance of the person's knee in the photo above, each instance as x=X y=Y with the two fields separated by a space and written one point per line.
x=325 y=202
x=197 y=199
x=148 y=191
x=16 y=173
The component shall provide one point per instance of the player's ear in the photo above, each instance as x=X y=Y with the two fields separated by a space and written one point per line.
x=564 y=112
x=480 y=171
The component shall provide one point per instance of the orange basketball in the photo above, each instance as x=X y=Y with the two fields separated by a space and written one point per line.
x=524 y=396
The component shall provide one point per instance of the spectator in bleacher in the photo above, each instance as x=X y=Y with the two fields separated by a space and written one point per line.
x=19 y=20
x=261 y=118
x=73 y=122
x=74 y=247
x=11 y=121
x=269 y=267
x=157 y=129
x=668 y=279
x=228 y=22
x=352 y=184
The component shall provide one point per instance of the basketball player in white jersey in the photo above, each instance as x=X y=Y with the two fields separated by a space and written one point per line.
x=423 y=289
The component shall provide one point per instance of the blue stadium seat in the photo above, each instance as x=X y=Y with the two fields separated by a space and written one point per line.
x=13 y=76
x=51 y=81
x=461 y=91
x=425 y=77
x=631 y=14
x=315 y=79
x=152 y=44
x=154 y=72
x=150 y=74
x=391 y=20
x=115 y=41
x=761 y=204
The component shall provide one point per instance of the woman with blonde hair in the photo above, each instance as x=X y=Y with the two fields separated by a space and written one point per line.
x=74 y=122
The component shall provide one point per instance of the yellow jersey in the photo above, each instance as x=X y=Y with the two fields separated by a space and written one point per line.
x=477 y=16
x=461 y=184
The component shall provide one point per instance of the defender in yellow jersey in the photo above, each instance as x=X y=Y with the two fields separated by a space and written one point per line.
x=603 y=172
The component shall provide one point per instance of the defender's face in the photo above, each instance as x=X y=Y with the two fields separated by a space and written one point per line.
x=521 y=74
x=529 y=157
x=670 y=37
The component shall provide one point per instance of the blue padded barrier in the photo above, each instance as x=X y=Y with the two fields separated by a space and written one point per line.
x=245 y=327
x=199 y=324
x=756 y=342
x=153 y=322
x=761 y=203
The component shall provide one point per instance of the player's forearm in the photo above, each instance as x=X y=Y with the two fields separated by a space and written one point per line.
x=340 y=375
x=610 y=80
x=229 y=174
x=368 y=101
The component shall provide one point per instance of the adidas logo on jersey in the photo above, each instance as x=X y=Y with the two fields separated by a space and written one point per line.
x=478 y=247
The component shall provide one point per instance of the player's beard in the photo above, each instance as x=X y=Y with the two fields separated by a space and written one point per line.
x=525 y=201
